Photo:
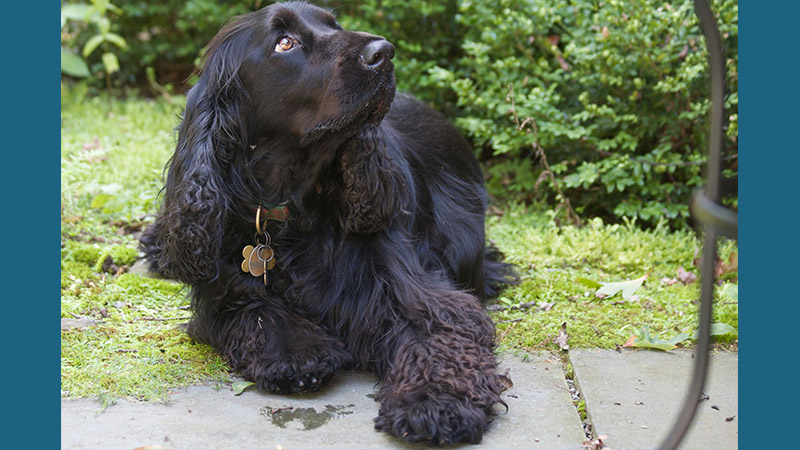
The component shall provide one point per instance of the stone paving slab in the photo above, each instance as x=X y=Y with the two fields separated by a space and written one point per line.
x=634 y=397
x=540 y=415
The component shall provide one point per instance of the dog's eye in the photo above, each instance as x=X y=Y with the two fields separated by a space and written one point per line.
x=285 y=44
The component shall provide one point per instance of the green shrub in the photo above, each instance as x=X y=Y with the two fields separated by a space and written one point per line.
x=616 y=95
x=163 y=38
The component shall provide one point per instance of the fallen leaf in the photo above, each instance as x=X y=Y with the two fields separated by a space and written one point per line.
x=589 y=283
x=630 y=342
x=722 y=329
x=642 y=339
x=721 y=268
x=732 y=266
x=628 y=288
x=719 y=329
x=730 y=292
x=546 y=306
x=596 y=444
x=668 y=281
x=563 y=338
x=686 y=277
x=239 y=386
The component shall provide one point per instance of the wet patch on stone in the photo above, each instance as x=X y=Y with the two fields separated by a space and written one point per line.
x=304 y=418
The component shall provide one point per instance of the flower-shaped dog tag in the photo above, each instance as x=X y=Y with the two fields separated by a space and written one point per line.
x=246 y=252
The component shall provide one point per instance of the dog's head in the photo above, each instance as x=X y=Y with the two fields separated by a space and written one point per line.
x=281 y=91
x=304 y=76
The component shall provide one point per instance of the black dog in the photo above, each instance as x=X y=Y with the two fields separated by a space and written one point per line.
x=321 y=222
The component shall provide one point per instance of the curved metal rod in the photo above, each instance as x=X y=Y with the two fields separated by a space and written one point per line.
x=717 y=67
x=712 y=214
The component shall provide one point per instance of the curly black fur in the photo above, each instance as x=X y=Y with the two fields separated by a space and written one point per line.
x=382 y=263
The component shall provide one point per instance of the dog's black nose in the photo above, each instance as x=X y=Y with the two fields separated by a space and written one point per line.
x=376 y=53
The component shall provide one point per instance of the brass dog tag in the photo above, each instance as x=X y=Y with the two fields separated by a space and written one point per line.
x=246 y=252
x=258 y=260
x=257 y=265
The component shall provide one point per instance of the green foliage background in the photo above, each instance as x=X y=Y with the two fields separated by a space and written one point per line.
x=614 y=92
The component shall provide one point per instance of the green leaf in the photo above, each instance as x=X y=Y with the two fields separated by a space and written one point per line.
x=75 y=12
x=92 y=44
x=100 y=200
x=589 y=283
x=113 y=8
x=730 y=292
x=239 y=386
x=721 y=329
x=72 y=64
x=628 y=288
x=116 y=40
x=110 y=62
x=103 y=24
x=642 y=339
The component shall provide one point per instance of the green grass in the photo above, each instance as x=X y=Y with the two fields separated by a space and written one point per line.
x=111 y=164
x=550 y=259
x=111 y=173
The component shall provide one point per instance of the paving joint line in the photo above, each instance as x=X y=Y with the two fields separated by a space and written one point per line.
x=577 y=396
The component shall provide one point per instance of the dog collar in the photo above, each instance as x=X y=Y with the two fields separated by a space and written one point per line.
x=270 y=211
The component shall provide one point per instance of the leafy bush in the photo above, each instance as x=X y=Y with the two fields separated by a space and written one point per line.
x=615 y=93
x=167 y=36
x=82 y=18
x=164 y=38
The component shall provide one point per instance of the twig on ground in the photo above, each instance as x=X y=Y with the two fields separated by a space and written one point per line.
x=525 y=305
x=163 y=319
x=499 y=340
x=511 y=320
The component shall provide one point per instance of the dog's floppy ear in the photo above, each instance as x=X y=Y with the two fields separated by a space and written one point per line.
x=376 y=183
x=185 y=241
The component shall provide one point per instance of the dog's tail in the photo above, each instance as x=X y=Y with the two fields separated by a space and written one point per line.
x=498 y=274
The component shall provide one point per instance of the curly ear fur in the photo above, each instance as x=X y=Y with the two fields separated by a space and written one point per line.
x=184 y=243
x=376 y=189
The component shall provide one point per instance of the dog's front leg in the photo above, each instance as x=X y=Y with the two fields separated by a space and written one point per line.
x=279 y=351
x=441 y=382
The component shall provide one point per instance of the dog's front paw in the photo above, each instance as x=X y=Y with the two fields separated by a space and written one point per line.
x=304 y=371
x=438 y=418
